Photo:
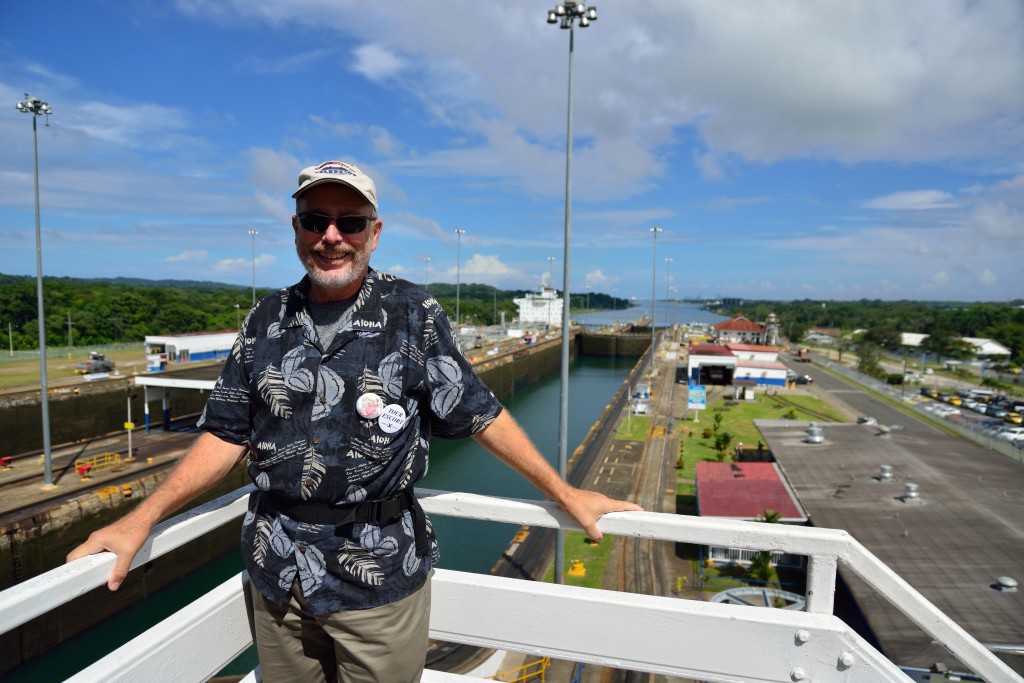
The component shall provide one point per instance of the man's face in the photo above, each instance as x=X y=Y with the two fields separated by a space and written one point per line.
x=336 y=262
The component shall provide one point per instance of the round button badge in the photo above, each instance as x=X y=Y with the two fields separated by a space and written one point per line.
x=369 y=406
x=392 y=419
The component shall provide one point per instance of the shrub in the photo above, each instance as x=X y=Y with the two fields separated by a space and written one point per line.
x=790 y=414
x=894 y=378
x=708 y=432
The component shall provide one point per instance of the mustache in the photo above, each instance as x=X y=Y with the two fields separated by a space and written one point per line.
x=335 y=252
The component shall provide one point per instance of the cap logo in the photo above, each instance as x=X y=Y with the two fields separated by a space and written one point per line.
x=335 y=167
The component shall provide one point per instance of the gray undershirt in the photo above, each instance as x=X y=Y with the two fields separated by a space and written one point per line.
x=326 y=316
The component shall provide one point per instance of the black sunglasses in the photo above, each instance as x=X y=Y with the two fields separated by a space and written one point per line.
x=346 y=225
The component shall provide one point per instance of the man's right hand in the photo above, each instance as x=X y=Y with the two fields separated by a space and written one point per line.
x=123 y=538
x=205 y=464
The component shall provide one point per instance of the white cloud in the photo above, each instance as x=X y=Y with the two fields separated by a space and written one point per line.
x=987 y=278
x=913 y=200
x=234 y=265
x=187 y=256
x=597 y=278
x=489 y=266
x=376 y=62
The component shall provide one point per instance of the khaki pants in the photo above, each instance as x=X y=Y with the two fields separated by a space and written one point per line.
x=386 y=644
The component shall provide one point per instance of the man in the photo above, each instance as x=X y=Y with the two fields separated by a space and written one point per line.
x=333 y=388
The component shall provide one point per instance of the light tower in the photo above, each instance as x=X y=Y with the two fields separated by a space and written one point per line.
x=36 y=107
x=567 y=14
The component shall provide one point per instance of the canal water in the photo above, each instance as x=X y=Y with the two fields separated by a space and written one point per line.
x=466 y=545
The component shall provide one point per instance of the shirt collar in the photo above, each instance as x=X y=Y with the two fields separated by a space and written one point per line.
x=367 y=305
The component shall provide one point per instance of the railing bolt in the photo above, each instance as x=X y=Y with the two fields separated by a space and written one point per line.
x=798 y=674
x=802 y=636
x=846 y=660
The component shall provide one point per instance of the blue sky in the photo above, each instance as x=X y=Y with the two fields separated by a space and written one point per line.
x=787 y=148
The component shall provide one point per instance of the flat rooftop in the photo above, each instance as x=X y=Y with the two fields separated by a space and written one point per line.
x=967 y=529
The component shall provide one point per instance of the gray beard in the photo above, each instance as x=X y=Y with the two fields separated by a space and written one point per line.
x=360 y=262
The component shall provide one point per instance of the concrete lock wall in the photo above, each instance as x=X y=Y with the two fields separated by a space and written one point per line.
x=80 y=412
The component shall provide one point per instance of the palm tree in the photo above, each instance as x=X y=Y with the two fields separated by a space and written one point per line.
x=761 y=564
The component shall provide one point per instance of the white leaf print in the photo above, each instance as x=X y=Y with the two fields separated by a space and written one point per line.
x=332 y=387
x=446 y=376
x=313 y=470
x=261 y=542
x=445 y=398
x=356 y=562
x=296 y=377
x=311 y=569
x=236 y=348
x=355 y=494
x=263 y=481
x=407 y=526
x=369 y=382
x=273 y=392
x=411 y=562
x=287 y=577
x=280 y=542
x=390 y=372
x=444 y=370
x=377 y=545
x=249 y=516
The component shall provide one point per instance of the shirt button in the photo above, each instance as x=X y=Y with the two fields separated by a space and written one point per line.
x=323 y=399
x=309 y=482
x=302 y=549
x=316 y=439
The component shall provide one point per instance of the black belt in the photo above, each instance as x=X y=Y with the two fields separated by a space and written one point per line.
x=379 y=511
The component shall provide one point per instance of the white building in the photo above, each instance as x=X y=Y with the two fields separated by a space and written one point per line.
x=544 y=308
x=184 y=348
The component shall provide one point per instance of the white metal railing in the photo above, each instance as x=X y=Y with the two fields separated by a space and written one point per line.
x=661 y=635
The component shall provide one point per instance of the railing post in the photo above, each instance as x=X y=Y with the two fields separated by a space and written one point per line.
x=821 y=583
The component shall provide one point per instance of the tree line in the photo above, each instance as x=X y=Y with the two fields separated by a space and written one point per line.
x=881 y=322
x=106 y=311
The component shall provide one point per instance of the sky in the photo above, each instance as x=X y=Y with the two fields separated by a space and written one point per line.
x=787 y=149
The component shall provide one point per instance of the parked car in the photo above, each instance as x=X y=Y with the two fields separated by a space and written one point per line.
x=1011 y=434
x=804 y=379
x=640 y=408
x=995 y=411
x=1014 y=418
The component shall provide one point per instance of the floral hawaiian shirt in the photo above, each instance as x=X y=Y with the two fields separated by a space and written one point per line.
x=300 y=409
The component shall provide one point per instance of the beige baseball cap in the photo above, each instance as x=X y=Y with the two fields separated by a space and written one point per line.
x=338 y=172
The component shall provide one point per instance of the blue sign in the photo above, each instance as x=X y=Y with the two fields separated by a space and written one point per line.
x=697 y=397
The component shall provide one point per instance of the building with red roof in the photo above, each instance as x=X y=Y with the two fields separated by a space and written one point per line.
x=744 y=491
x=739 y=329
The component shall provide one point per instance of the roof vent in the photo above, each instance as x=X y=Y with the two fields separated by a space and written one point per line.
x=885 y=473
x=910 y=493
x=814 y=434
x=1006 y=584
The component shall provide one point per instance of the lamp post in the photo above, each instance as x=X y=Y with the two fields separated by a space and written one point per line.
x=654 y=265
x=459 y=232
x=588 y=297
x=238 y=316
x=252 y=233
x=566 y=14
x=36 y=107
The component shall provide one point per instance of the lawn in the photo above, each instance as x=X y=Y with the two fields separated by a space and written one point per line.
x=594 y=557
x=737 y=419
x=634 y=428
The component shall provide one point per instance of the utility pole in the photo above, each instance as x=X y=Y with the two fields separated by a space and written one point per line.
x=70 y=325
